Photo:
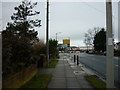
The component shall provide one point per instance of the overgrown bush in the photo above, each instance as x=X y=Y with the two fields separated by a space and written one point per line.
x=18 y=38
x=53 y=48
x=39 y=48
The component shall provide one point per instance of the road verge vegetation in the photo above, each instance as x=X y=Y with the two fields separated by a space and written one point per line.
x=95 y=82
x=53 y=63
x=38 y=81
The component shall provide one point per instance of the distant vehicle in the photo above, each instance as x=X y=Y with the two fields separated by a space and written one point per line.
x=91 y=52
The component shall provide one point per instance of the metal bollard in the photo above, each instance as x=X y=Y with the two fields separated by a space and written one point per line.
x=74 y=58
x=77 y=60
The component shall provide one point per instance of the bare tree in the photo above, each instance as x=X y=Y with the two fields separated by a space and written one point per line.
x=89 y=36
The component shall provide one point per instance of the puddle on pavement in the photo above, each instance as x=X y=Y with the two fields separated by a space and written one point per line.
x=78 y=72
x=66 y=64
x=72 y=65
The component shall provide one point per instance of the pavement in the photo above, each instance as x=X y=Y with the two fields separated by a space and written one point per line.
x=68 y=75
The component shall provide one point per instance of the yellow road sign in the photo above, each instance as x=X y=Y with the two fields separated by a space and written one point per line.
x=66 y=41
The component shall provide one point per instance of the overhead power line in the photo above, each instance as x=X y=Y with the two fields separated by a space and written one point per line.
x=98 y=10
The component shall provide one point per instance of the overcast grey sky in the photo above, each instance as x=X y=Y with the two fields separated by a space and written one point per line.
x=72 y=19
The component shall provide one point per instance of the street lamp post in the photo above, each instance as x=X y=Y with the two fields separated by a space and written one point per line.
x=57 y=34
x=109 y=44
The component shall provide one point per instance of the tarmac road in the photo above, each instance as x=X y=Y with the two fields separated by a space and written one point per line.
x=97 y=63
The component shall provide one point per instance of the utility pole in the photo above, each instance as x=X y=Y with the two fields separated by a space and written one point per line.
x=47 y=32
x=109 y=43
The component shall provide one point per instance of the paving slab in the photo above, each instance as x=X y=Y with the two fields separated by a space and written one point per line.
x=63 y=76
x=72 y=83
x=68 y=75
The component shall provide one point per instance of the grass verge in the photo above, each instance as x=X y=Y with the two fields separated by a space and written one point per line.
x=38 y=81
x=96 y=82
x=53 y=63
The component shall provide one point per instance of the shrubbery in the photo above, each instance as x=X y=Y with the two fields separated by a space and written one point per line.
x=53 y=48
x=20 y=45
x=19 y=37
